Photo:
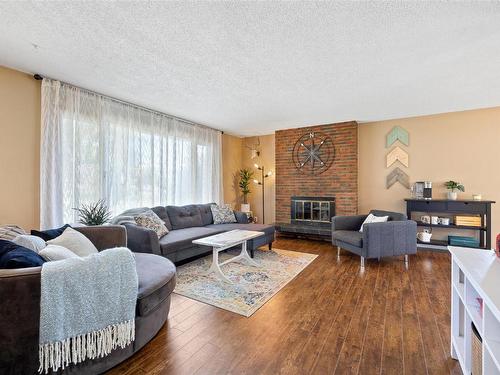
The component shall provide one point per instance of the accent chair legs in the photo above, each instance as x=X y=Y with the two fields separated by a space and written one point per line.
x=406 y=261
x=338 y=252
x=362 y=263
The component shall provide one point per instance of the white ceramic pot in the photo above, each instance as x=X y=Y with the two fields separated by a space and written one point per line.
x=424 y=236
x=245 y=207
x=452 y=195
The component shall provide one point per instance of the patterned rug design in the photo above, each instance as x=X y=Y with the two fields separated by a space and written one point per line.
x=252 y=286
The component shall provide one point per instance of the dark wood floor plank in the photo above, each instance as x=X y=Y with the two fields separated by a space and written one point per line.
x=435 y=357
x=326 y=361
x=330 y=318
x=392 y=353
x=300 y=332
x=413 y=346
x=350 y=354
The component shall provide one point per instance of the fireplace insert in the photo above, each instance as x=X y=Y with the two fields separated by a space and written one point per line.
x=309 y=217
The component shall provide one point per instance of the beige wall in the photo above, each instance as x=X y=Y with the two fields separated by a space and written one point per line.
x=460 y=146
x=266 y=159
x=235 y=156
x=19 y=149
x=231 y=164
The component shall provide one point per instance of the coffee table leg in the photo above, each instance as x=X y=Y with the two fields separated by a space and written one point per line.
x=215 y=268
x=244 y=256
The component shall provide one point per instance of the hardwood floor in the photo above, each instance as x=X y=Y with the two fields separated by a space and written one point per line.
x=331 y=319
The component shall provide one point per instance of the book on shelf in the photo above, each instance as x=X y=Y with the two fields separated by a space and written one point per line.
x=473 y=221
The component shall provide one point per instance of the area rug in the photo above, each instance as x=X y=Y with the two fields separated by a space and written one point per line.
x=252 y=286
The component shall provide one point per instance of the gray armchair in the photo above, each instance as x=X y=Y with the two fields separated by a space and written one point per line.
x=397 y=236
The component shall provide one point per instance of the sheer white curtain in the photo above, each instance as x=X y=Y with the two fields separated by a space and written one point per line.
x=94 y=147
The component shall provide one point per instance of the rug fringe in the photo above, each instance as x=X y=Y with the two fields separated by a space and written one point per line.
x=96 y=344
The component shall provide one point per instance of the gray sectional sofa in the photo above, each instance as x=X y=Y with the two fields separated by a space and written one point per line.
x=20 y=309
x=185 y=224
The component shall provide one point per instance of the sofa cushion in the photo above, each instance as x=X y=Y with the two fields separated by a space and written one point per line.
x=49 y=234
x=223 y=214
x=75 y=241
x=10 y=231
x=267 y=229
x=184 y=216
x=181 y=238
x=34 y=243
x=162 y=214
x=15 y=256
x=156 y=276
x=206 y=214
x=150 y=220
x=353 y=238
x=55 y=252
x=393 y=216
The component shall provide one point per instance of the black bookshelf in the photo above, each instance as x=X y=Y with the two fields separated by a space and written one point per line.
x=436 y=207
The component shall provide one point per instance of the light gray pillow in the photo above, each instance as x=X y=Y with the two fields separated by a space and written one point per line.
x=74 y=241
x=34 y=243
x=223 y=214
x=371 y=218
x=10 y=231
x=55 y=252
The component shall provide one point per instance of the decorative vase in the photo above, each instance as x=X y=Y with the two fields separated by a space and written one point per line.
x=245 y=207
x=452 y=195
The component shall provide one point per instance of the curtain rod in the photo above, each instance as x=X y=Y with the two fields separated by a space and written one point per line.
x=38 y=77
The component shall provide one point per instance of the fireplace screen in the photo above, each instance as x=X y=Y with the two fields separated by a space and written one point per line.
x=312 y=209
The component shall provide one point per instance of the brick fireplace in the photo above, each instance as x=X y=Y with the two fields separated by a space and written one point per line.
x=339 y=181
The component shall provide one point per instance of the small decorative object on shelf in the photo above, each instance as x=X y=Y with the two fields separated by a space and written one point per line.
x=94 y=213
x=497 y=247
x=425 y=235
x=465 y=241
x=453 y=186
x=476 y=197
x=470 y=221
x=249 y=216
x=444 y=221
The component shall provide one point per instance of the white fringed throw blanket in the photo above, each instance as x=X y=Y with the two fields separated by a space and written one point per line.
x=87 y=307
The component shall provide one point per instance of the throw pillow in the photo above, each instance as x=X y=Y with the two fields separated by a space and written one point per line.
x=371 y=218
x=34 y=243
x=49 y=234
x=55 y=252
x=9 y=232
x=15 y=256
x=223 y=214
x=151 y=221
x=74 y=241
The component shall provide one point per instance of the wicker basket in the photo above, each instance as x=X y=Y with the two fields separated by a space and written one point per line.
x=477 y=352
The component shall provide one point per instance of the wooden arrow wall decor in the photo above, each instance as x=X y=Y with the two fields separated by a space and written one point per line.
x=397 y=134
x=397 y=175
x=397 y=154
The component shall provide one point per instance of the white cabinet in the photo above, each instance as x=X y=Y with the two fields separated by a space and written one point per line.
x=475 y=297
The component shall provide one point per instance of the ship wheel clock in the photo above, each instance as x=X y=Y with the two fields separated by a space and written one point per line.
x=313 y=153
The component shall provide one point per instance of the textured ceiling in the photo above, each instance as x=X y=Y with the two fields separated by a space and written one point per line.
x=254 y=67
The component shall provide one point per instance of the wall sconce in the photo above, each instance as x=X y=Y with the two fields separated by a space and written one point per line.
x=261 y=182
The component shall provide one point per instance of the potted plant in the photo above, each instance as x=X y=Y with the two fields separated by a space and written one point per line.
x=453 y=187
x=94 y=213
x=244 y=184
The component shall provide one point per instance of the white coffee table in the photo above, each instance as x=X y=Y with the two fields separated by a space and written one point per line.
x=223 y=241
